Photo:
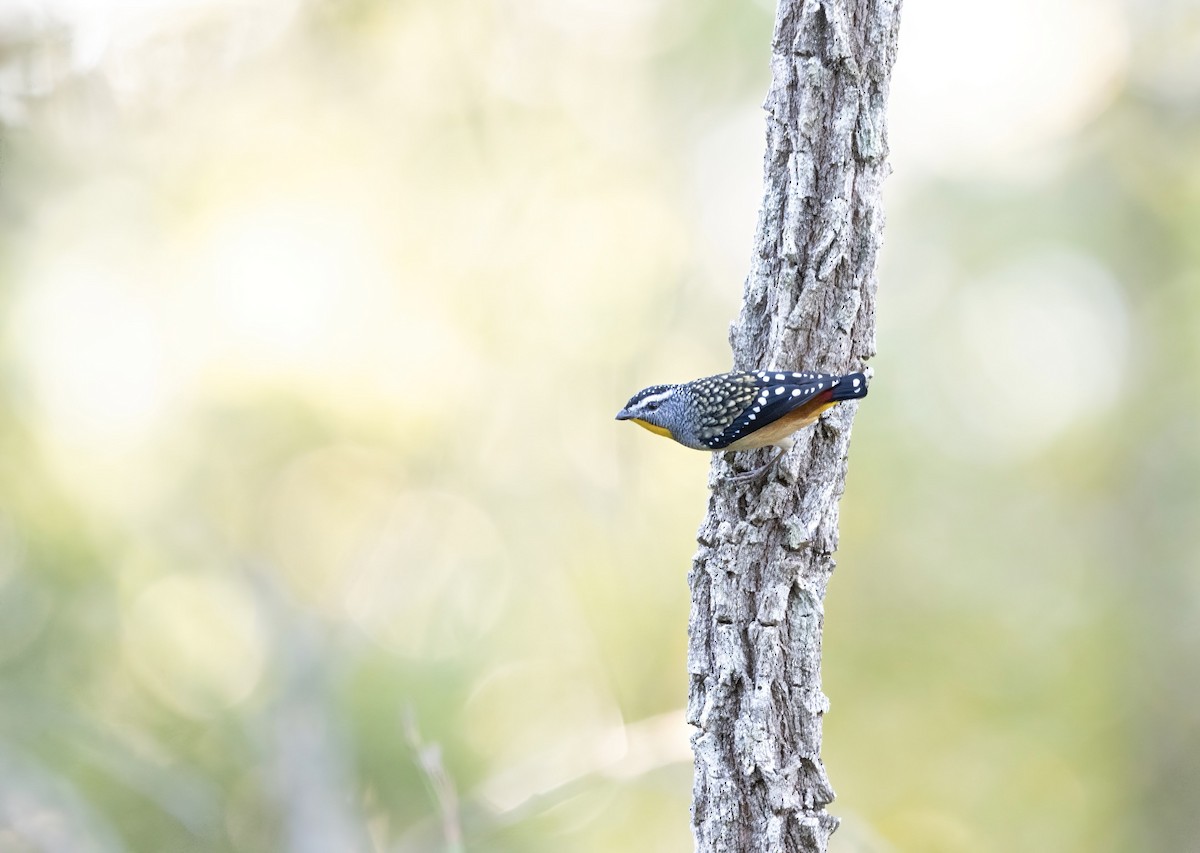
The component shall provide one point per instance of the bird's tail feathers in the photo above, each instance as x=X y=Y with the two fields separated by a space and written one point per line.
x=852 y=386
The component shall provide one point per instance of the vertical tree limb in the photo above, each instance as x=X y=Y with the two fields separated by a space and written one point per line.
x=765 y=556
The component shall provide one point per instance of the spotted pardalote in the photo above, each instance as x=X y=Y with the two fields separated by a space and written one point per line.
x=741 y=410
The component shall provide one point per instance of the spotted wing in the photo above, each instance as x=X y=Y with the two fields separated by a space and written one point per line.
x=766 y=396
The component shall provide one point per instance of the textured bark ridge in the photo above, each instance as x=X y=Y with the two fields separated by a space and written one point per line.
x=765 y=556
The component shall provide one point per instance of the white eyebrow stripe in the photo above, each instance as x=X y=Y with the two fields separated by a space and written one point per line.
x=655 y=398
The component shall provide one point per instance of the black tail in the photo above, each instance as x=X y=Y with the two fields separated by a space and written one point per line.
x=850 y=387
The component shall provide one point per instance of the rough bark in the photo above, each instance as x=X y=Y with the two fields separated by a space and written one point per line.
x=765 y=556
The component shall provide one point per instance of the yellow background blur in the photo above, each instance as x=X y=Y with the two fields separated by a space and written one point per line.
x=315 y=317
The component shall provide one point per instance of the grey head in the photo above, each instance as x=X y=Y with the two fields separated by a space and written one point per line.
x=664 y=410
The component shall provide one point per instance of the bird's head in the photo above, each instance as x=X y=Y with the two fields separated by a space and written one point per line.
x=654 y=408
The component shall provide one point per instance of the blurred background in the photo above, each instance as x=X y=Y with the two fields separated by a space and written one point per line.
x=314 y=316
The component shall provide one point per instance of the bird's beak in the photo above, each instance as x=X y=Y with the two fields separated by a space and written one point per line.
x=623 y=415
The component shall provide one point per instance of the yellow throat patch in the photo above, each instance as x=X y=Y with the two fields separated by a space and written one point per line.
x=657 y=430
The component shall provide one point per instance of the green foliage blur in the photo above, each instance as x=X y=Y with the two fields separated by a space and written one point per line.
x=317 y=533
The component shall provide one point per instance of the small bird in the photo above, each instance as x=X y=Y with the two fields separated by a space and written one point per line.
x=741 y=410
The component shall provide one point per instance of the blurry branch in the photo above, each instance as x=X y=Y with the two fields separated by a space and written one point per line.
x=625 y=751
x=429 y=759
x=765 y=556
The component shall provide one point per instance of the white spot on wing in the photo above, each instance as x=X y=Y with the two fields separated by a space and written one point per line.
x=778 y=391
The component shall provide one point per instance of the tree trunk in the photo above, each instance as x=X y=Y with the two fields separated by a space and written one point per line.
x=765 y=556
